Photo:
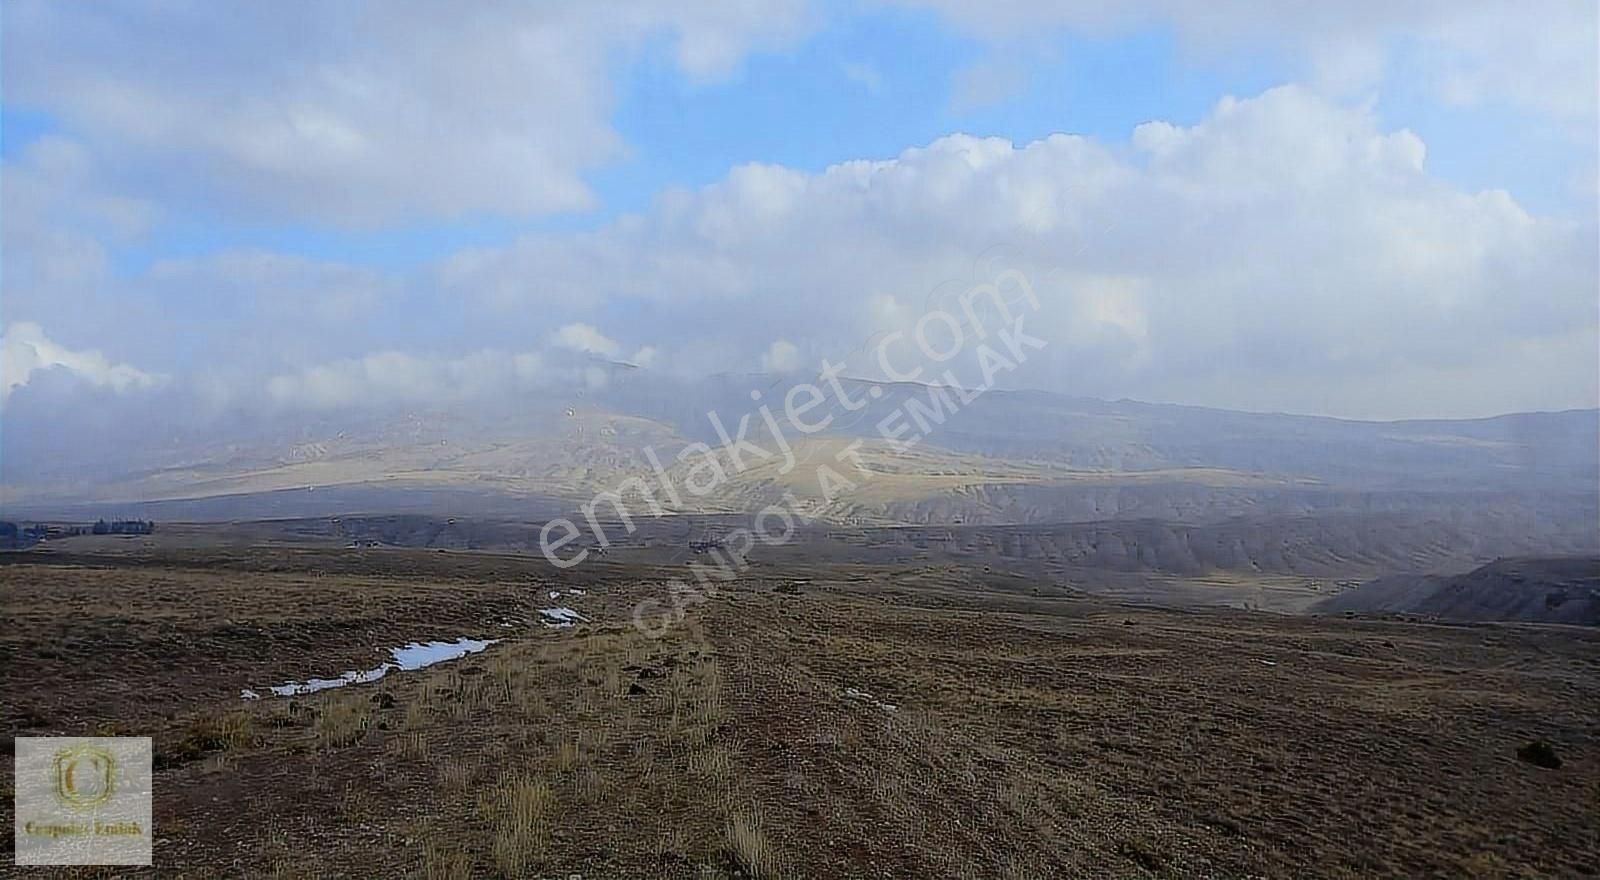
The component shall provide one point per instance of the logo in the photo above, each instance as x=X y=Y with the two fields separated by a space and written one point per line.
x=83 y=800
x=85 y=776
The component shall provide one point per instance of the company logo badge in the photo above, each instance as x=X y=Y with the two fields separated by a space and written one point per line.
x=83 y=800
x=85 y=776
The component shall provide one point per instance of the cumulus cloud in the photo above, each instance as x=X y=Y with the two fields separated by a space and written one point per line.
x=26 y=350
x=359 y=112
x=1537 y=55
x=586 y=339
x=1287 y=251
x=1286 y=234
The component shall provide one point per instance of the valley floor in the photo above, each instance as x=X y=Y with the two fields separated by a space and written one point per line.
x=807 y=721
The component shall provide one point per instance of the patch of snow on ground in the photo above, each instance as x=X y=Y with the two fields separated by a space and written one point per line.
x=415 y=655
x=559 y=617
x=419 y=654
x=851 y=693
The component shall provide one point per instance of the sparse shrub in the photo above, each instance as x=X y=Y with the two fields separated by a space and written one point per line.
x=749 y=848
x=238 y=730
x=411 y=745
x=455 y=774
x=416 y=715
x=343 y=722
x=714 y=762
x=566 y=755
x=207 y=734
x=443 y=861
x=520 y=807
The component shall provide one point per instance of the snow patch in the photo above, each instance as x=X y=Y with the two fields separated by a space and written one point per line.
x=415 y=655
x=560 y=617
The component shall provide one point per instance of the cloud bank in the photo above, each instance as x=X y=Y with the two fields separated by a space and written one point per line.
x=1285 y=236
x=1287 y=251
x=25 y=350
x=365 y=112
x=1538 y=55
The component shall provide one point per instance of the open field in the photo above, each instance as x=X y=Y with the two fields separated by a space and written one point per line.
x=797 y=439
x=811 y=720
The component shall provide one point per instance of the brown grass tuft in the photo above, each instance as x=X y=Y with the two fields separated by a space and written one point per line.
x=520 y=807
x=749 y=848
x=343 y=721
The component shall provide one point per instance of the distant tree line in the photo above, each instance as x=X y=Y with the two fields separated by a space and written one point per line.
x=123 y=527
x=17 y=536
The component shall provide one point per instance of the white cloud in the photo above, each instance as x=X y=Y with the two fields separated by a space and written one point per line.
x=362 y=113
x=369 y=113
x=56 y=223
x=782 y=356
x=1539 y=55
x=25 y=350
x=1285 y=235
x=586 y=339
x=1285 y=252
x=644 y=357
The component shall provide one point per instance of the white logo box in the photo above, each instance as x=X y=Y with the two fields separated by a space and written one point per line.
x=83 y=800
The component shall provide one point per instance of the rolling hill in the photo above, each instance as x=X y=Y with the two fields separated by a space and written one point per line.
x=1528 y=590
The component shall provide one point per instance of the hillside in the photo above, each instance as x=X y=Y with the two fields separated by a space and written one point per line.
x=1529 y=590
x=1003 y=458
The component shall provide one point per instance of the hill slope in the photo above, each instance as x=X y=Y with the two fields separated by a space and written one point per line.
x=1533 y=590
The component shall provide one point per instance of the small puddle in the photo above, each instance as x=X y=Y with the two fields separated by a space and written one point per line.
x=413 y=656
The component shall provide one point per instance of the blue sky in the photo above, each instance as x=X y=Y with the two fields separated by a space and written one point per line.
x=155 y=167
x=801 y=107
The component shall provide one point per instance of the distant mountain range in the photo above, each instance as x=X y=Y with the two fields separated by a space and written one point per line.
x=1006 y=457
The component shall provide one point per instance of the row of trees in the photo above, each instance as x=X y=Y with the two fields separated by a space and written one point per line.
x=123 y=527
x=17 y=536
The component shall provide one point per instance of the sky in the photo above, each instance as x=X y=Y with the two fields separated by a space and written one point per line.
x=1366 y=209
